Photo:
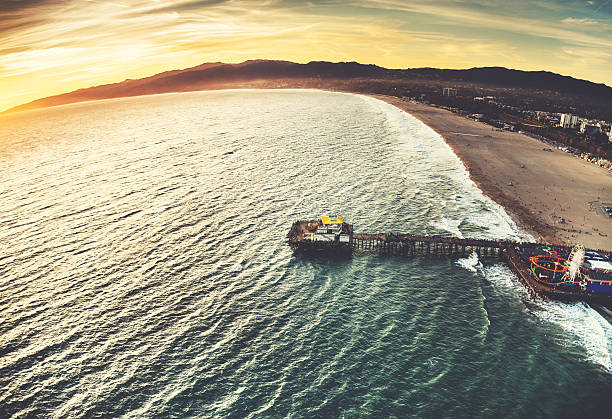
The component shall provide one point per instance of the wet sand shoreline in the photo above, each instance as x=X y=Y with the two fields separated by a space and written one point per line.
x=553 y=195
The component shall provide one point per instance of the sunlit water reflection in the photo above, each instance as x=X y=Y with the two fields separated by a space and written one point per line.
x=144 y=269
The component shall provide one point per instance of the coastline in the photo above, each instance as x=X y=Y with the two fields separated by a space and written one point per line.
x=554 y=196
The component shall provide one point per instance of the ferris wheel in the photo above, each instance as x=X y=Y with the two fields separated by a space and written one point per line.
x=573 y=264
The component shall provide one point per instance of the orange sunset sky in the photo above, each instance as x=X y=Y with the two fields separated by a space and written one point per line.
x=54 y=46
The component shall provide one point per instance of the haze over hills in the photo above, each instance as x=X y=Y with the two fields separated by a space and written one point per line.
x=540 y=89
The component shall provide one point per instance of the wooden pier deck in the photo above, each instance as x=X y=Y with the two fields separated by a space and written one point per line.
x=411 y=245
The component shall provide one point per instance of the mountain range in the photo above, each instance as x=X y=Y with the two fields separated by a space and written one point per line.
x=541 y=89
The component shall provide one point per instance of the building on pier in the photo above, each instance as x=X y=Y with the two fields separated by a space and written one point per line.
x=325 y=234
x=558 y=272
x=331 y=230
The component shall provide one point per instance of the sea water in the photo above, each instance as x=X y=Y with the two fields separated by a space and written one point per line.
x=144 y=269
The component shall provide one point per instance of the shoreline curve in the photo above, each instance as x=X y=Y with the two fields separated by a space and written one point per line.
x=548 y=193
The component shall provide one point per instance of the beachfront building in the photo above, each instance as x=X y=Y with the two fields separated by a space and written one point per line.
x=568 y=120
x=449 y=91
x=589 y=128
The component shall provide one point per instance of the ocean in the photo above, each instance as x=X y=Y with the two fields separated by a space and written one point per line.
x=144 y=270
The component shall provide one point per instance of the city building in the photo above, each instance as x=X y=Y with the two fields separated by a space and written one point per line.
x=449 y=91
x=589 y=128
x=568 y=120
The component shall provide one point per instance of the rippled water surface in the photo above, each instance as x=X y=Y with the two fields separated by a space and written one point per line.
x=144 y=270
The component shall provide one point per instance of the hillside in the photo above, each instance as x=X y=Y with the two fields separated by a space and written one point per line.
x=540 y=90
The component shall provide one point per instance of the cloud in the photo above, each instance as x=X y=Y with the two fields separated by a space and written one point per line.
x=580 y=21
x=180 y=6
x=455 y=13
x=11 y=6
x=602 y=4
x=593 y=56
x=65 y=44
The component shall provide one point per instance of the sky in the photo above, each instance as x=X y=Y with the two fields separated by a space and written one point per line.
x=55 y=46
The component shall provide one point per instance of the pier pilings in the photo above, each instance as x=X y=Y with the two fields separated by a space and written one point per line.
x=409 y=245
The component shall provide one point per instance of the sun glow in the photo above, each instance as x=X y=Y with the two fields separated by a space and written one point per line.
x=54 y=46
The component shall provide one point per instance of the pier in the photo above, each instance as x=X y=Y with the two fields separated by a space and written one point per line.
x=331 y=235
x=411 y=245
x=339 y=237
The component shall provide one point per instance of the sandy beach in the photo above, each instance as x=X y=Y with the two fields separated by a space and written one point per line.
x=553 y=194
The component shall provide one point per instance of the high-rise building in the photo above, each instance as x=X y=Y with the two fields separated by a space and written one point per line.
x=568 y=120
x=589 y=128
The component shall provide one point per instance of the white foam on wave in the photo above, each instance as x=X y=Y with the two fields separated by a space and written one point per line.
x=471 y=263
x=502 y=278
x=451 y=225
x=584 y=327
x=422 y=141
